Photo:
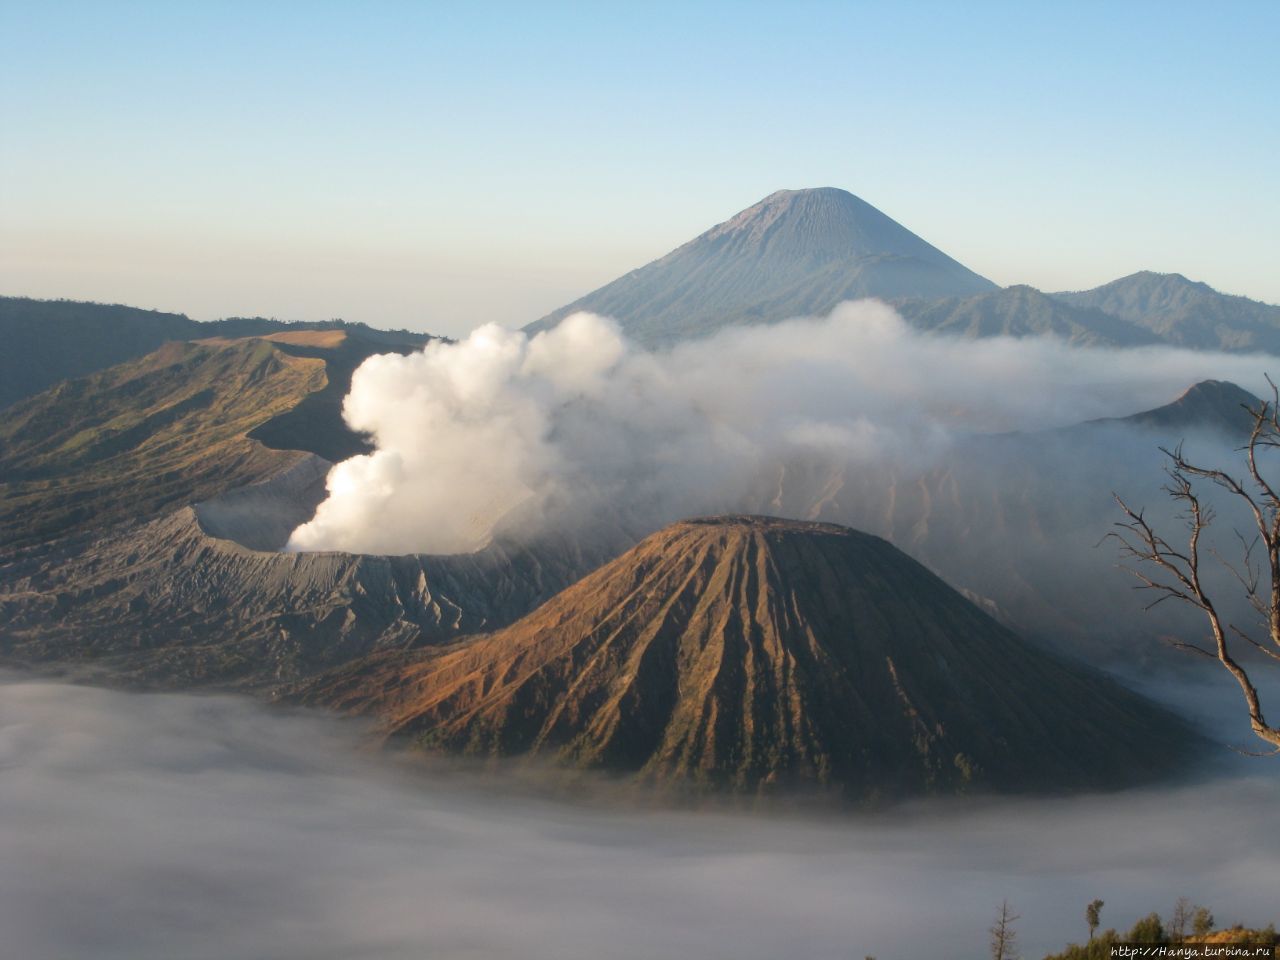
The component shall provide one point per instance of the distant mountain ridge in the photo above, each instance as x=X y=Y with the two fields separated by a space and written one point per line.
x=46 y=341
x=801 y=252
x=1023 y=311
x=796 y=252
x=1185 y=312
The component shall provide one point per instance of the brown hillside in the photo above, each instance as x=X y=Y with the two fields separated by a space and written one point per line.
x=747 y=651
x=163 y=430
x=187 y=422
x=171 y=602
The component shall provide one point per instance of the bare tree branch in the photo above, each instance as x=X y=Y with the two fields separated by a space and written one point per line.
x=1177 y=572
x=1192 y=648
x=1252 y=642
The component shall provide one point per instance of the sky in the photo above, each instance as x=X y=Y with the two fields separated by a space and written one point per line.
x=442 y=165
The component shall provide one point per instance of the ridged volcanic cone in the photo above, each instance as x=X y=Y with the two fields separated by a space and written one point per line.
x=747 y=651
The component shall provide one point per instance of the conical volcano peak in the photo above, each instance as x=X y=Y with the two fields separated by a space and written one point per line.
x=794 y=253
x=745 y=652
x=812 y=201
x=812 y=198
x=828 y=194
x=1217 y=392
x=1216 y=405
x=824 y=223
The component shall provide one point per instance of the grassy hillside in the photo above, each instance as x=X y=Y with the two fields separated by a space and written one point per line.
x=47 y=341
x=162 y=430
x=50 y=340
x=1189 y=937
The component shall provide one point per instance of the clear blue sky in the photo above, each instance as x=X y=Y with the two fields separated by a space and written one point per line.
x=438 y=165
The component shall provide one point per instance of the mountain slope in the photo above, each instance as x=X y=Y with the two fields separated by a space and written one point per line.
x=169 y=602
x=1022 y=311
x=1015 y=518
x=1185 y=312
x=184 y=423
x=1218 y=406
x=797 y=252
x=128 y=441
x=50 y=340
x=315 y=424
x=1020 y=518
x=46 y=341
x=749 y=651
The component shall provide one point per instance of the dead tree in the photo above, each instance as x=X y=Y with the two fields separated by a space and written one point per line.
x=1181 y=920
x=1003 y=937
x=1174 y=572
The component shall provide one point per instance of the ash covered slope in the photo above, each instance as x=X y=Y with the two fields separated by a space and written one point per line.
x=796 y=252
x=168 y=603
x=747 y=651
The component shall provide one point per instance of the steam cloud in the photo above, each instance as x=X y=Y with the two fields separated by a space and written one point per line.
x=146 y=827
x=523 y=434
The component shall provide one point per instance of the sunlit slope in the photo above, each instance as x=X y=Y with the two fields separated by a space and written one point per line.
x=187 y=422
x=45 y=341
x=156 y=432
x=748 y=651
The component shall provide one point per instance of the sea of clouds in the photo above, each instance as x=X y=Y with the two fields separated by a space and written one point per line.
x=154 y=826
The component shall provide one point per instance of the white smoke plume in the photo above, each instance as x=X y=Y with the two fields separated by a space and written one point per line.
x=575 y=424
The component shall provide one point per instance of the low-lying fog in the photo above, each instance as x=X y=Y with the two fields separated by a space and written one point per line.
x=160 y=826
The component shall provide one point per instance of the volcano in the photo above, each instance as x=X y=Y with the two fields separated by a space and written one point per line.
x=751 y=652
x=795 y=253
